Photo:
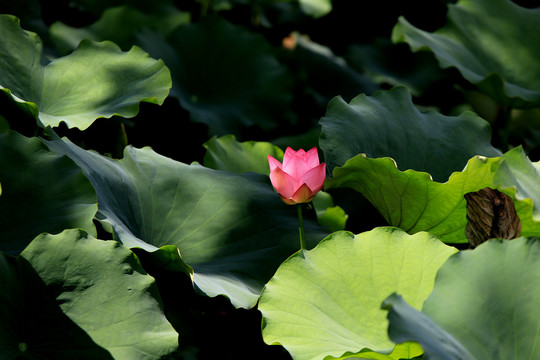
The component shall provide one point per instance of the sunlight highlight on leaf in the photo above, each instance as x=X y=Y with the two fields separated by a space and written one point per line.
x=325 y=303
x=96 y=80
x=412 y=201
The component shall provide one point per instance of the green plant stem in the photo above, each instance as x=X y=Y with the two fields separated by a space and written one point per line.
x=502 y=128
x=301 y=228
x=122 y=141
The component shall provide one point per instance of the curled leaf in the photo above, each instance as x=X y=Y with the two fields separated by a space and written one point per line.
x=490 y=214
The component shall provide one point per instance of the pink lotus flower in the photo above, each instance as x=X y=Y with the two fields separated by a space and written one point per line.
x=300 y=177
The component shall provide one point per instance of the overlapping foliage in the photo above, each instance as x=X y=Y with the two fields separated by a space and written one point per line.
x=138 y=220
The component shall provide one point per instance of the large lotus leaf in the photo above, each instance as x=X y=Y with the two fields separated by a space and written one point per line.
x=118 y=24
x=406 y=323
x=225 y=153
x=325 y=303
x=494 y=314
x=412 y=201
x=232 y=229
x=32 y=324
x=41 y=192
x=232 y=82
x=101 y=287
x=97 y=80
x=388 y=124
x=493 y=43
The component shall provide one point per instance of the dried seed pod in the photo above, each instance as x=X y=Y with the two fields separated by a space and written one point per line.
x=490 y=214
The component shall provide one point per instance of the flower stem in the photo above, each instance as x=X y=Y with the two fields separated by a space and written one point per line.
x=301 y=228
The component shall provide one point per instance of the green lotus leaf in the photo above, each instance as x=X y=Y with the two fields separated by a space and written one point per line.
x=498 y=59
x=41 y=192
x=407 y=323
x=120 y=25
x=388 y=124
x=232 y=229
x=101 y=287
x=225 y=153
x=325 y=303
x=33 y=325
x=97 y=80
x=232 y=82
x=316 y=8
x=412 y=201
x=333 y=217
x=492 y=315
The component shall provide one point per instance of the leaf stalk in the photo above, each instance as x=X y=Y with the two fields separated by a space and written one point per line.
x=301 y=228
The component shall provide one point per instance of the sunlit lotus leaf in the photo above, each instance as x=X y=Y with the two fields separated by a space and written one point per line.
x=412 y=201
x=325 y=303
x=97 y=80
x=492 y=315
